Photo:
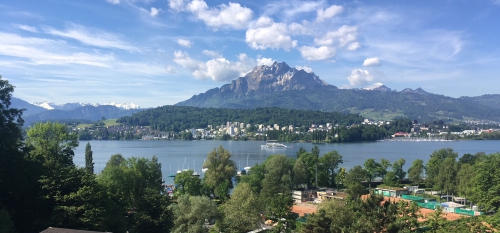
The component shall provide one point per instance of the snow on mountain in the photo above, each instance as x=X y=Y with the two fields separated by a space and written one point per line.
x=69 y=106
x=377 y=87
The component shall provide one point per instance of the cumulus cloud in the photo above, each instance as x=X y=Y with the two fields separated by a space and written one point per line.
x=232 y=15
x=26 y=28
x=268 y=34
x=329 y=12
x=93 y=37
x=342 y=37
x=265 y=61
x=298 y=29
x=185 y=43
x=154 y=11
x=218 y=69
x=360 y=77
x=373 y=61
x=317 y=53
x=304 y=68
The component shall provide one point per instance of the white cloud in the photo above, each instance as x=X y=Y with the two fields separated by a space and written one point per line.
x=329 y=12
x=26 y=27
x=218 y=69
x=298 y=29
x=177 y=5
x=273 y=36
x=171 y=69
x=113 y=1
x=265 y=61
x=93 y=37
x=232 y=15
x=317 y=53
x=288 y=9
x=211 y=53
x=360 y=77
x=48 y=52
x=373 y=61
x=353 y=46
x=154 y=11
x=343 y=36
x=304 y=68
x=185 y=43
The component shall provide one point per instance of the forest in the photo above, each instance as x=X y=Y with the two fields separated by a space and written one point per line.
x=177 y=118
x=41 y=187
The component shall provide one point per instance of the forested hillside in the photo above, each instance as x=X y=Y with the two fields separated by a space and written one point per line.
x=370 y=103
x=176 y=118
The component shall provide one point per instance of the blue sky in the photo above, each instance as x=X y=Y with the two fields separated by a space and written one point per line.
x=159 y=52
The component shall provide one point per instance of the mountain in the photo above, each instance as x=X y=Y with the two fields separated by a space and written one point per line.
x=492 y=100
x=377 y=87
x=280 y=86
x=69 y=106
x=29 y=109
x=82 y=113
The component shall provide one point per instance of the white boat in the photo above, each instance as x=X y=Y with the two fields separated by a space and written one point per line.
x=273 y=145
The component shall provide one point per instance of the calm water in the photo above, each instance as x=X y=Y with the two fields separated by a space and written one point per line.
x=178 y=155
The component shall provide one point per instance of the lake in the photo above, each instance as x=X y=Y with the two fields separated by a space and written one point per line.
x=177 y=155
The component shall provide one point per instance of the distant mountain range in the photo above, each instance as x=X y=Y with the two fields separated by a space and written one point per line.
x=279 y=85
x=47 y=111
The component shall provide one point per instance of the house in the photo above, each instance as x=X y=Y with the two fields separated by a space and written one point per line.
x=64 y=230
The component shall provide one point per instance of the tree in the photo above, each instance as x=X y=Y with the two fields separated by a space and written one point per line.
x=221 y=169
x=434 y=164
x=371 y=168
x=254 y=179
x=192 y=213
x=486 y=188
x=397 y=167
x=240 y=214
x=186 y=183
x=310 y=161
x=52 y=143
x=465 y=178
x=278 y=177
x=89 y=162
x=382 y=169
x=391 y=179
x=300 y=152
x=299 y=173
x=416 y=172
x=137 y=185
x=353 y=181
x=446 y=179
x=328 y=168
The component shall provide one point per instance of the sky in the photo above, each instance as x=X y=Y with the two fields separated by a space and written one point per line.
x=161 y=52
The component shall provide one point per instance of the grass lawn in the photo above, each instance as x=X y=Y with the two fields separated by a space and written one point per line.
x=108 y=122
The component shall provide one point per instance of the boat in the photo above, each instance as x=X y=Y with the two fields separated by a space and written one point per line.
x=273 y=145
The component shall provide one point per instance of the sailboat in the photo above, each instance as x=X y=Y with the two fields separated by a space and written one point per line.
x=171 y=174
x=194 y=168
x=247 y=168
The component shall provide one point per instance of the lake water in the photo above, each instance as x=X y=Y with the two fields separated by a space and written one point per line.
x=178 y=155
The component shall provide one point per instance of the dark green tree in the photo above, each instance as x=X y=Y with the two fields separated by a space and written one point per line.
x=240 y=214
x=221 y=170
x=192 y=213
x=89 y=161
x=186 y=183
x=416 y=172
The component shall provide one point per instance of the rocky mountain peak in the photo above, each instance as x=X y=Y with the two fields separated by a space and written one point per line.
x=276 y=77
